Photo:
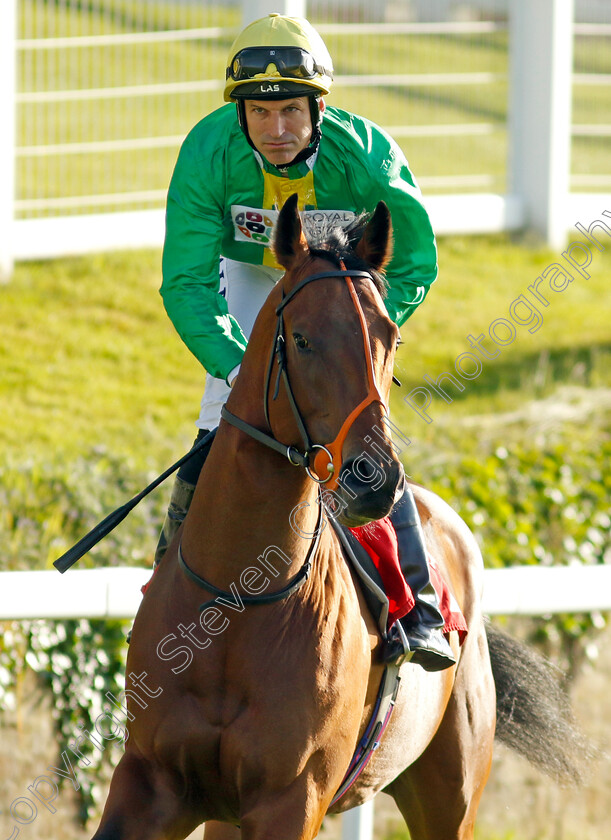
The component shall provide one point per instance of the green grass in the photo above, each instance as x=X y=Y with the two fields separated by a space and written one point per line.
x=478 y=280
x=565 y=361
x=89 y=357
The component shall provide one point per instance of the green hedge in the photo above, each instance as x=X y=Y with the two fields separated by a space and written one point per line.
x=44 y=509
x=545 y=503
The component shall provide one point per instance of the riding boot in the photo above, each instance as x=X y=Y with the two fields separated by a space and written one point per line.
x=180 y=500
x=182 y=495
x=418 y=636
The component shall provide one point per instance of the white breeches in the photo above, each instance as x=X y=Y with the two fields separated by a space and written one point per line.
x=245 y=287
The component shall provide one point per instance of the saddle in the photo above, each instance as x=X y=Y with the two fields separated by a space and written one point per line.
x=389 y=603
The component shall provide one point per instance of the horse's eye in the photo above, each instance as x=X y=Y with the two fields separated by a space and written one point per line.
x=300 y=341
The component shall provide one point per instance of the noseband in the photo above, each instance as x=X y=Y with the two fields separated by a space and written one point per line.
x=321 y=461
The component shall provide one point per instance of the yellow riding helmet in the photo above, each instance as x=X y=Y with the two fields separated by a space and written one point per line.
x=276 y=57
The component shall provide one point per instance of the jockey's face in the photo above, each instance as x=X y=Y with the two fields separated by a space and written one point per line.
x=280 y=129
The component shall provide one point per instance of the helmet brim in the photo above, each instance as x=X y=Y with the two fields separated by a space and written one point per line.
x=274 y=89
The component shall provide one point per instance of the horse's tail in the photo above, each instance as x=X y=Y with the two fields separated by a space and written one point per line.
x=534 y=716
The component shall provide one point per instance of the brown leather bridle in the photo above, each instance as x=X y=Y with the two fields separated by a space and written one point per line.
x=321 y=461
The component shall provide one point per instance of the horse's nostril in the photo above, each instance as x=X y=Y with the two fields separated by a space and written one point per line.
x=367 y=492
x=363 y=472
x=363 y=469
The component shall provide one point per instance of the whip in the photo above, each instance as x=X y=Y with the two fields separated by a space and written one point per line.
x=110 y=522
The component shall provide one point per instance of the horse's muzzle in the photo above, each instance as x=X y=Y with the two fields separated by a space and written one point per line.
x=367 y=490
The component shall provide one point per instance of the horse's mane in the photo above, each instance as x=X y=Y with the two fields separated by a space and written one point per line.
x=331 y=241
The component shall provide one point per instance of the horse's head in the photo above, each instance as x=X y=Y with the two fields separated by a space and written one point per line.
x=334 y=350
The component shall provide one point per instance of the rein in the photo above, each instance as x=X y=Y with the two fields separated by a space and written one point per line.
x=269 y=598
x=322 y=462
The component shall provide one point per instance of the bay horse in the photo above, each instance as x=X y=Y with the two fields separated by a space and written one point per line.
x=245 y=711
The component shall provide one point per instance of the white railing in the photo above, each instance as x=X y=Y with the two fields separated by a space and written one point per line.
x=539 y=132
x=115 y=592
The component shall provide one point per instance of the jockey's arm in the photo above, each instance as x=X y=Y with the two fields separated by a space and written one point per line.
x=191 y=254
x=413 y=267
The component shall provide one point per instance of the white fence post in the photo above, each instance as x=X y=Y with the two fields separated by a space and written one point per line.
x=358 y=823
x=255 y=9
x=8 y=82
x=540 y=112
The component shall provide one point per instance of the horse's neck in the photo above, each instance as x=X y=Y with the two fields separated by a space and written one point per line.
x=249 y=505
x=249 y=499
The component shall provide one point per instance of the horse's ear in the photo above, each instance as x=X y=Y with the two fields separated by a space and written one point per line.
x=289 y=241
x=375 y=245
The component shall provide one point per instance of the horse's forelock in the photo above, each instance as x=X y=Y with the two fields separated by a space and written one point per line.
x=333 y=242
x=325 y=235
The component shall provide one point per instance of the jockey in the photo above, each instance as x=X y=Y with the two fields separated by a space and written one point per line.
x=235 y=170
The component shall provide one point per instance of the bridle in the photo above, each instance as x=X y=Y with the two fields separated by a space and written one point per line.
x=322 y=462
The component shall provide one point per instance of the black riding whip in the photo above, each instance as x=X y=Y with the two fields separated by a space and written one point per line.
x=110 y=522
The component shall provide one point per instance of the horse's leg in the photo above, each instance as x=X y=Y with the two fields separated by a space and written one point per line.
x=293 y=814
x=439 y=794
x=221 y=831
x=139 y=807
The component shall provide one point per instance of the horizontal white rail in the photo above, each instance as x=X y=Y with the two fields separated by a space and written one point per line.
x=172 y=88
x=80 y=593
x=543 y=590
x=443 y=129
x=124 y=38
x=592 y=130
x=487 y=212
x=592 y=78
x=213 y=33
x=597 y=30
x=440 y=28
x=593 y=181
x=47 y=238
x=115 y=592
x=118 y=92
x=174 y=140
x=81 y=234
x=453 y=182
x=70 y=202
x=383 y=79
x=419 y=79
x=101 y=146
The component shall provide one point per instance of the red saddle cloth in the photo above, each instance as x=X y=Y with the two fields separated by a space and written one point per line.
x=380 y=541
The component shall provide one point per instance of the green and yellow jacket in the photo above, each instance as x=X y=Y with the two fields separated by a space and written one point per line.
x=224 y=199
